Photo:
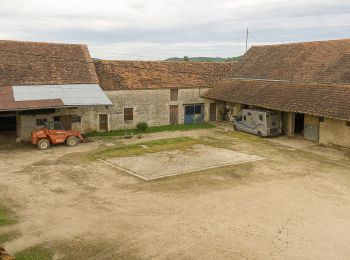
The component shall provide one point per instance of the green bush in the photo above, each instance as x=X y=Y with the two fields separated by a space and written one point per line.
x=142 y=127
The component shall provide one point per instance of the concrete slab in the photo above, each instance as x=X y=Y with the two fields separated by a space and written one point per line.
x=169 y=163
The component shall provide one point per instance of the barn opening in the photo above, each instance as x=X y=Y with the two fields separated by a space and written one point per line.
x=299 y=124
x=8 y=125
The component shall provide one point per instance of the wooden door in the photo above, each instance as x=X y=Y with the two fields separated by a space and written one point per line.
x=174 y=115
x=213 y=112
x=66 y=122
x=103 y=122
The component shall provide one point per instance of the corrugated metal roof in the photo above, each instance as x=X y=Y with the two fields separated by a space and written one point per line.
x=8 y=103
x=71 y=95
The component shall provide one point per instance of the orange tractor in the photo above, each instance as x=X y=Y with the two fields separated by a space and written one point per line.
x=54 y=133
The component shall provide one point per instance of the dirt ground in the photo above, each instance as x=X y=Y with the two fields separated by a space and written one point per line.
x=293 y=205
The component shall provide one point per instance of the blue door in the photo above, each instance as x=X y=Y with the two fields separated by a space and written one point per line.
x=194 y=114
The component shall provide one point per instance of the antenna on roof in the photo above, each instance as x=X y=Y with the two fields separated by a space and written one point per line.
x=246 y=41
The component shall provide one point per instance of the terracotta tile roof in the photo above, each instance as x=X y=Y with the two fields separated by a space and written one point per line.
x=328 y=100
x=323 y=61
x=116 y=75
x=37 y=63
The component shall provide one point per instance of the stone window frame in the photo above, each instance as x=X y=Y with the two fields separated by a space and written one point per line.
x=128 y=116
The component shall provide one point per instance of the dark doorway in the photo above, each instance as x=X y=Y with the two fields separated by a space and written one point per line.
x=8 y=127
x=7 y=122
x=174 y=115
x=213 y=112
x=299 y=124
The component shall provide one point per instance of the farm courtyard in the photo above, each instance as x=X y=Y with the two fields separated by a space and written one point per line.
x=274 y=198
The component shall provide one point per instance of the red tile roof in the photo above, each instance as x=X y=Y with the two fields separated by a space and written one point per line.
x=38 y=63
x=116 y=75
x=320 y=61
x=328 y=100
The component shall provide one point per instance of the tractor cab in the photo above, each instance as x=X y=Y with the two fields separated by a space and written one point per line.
x=54 y=125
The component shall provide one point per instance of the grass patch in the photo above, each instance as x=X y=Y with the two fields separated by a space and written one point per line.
x=150 y=130
x=38 y=252
x=5 y=237
x=7 y=217
x=147 y=147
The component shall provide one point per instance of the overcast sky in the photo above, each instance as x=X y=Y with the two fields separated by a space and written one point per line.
x=158 y=29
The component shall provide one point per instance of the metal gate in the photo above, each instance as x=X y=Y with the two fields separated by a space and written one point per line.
x=312 y=132
x=174 y=115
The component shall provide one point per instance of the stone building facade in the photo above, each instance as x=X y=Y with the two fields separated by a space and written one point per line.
x=158 y=93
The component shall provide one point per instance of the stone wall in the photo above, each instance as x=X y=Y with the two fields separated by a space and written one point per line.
x=26 y=124
x=334 y=132
x=151 y=106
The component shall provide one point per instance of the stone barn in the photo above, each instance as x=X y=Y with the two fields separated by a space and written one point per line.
x=43 y=82
x=159 y=93
x=308 y=82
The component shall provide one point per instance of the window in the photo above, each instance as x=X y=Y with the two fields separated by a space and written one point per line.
x=261 y=117
x=174 y=94
x=245 y=118
x=41 y=122
x=347 y=123
x=128 y=114
x=197 y=109
x=75 y=119
x=249 y=114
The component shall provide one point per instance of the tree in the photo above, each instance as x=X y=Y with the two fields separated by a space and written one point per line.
x=186 y=58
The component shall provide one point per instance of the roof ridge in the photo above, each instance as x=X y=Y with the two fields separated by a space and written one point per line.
x=42 y=42
x=301 y=43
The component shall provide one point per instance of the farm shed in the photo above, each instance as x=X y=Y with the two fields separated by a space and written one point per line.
x=308 y=82
x=159 y=93
x=41 y=82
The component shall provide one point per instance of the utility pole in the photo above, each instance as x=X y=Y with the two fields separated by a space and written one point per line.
x=246 y=41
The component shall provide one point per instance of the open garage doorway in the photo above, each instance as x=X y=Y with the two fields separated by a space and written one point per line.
x=299 y=124
x=8 y=127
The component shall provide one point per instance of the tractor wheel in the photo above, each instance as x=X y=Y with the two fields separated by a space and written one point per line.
x=43 y=144
x=72 y=141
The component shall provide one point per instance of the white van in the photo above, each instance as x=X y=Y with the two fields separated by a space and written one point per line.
x=259 y=122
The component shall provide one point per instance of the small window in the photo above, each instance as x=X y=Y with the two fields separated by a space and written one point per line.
x=347 y=123
x=41 y=122
x=198 y=109
x=174 y=94
x=249 y=114
x=261 y=117
x=245 y=118
x=75 y=119
x=128 y=114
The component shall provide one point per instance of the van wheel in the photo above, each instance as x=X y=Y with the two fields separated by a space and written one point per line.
x=259 y=134
x=72 y=141
x=43 y=144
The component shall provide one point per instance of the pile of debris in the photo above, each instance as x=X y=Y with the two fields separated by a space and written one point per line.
x=4 y=255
